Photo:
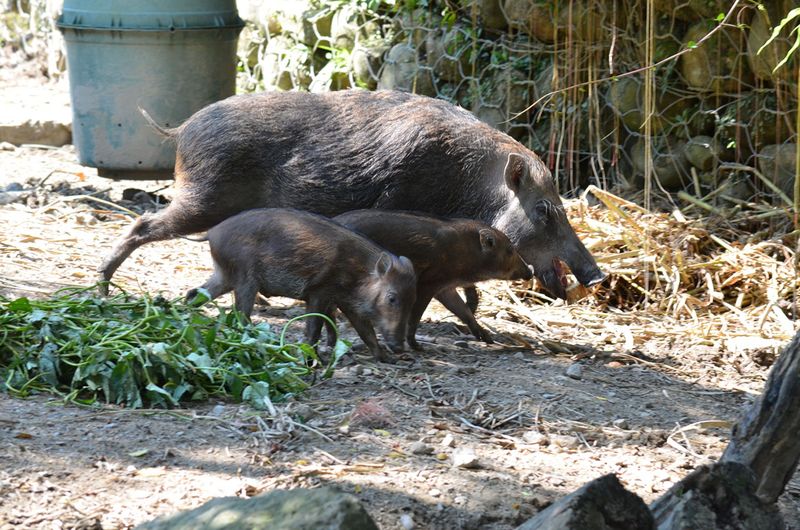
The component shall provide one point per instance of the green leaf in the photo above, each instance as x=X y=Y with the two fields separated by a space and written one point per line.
x=203 y=362
x=257 y=395
x=37 y=315
x=48 y=364
x=794 y=13
x=20 y=305
x=691 y=45
x=158 y=390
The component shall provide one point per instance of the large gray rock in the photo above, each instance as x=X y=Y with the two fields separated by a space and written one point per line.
x=778 y=163
x=402 y=71
x=298 y=509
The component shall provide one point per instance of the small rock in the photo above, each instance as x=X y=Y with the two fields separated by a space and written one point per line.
x=614 y=364
x=459 y=499
x=519 y=355
x=7 y=197
x=420 y=448
x=7 y=146
x=575 y=371
x=13 y=186
x=434 y=492
x=620 y=423
x=218 y=411
x=465 y=458
x=461 y=344
x=448 y=440
x=406 y=521
x=304 y=412
x=535 y=437
x=566 y=442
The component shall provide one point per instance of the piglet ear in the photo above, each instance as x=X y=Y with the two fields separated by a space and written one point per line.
x=487 y=239
x=384 y=264
x=515 y=170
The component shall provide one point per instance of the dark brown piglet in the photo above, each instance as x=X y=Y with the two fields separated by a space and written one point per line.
x=335 y=152
x=285 y=252
x=446 y=253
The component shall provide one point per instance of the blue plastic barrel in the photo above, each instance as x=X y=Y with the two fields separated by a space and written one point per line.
x=169 y=57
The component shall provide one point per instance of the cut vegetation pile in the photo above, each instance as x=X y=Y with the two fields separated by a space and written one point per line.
x=142 y=351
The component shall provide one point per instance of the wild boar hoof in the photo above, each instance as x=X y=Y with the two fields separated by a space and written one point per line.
x=485 y=336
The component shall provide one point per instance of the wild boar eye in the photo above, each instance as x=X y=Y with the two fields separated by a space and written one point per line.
x=391 y=298
x=542 y=209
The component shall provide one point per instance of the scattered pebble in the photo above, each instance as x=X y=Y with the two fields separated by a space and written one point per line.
x=465 y=457
x=461 y=344
x=535 y=437
x=519 y=355
x=7 y=146
x=304 y=412
x=459 y=499
x=7 y=197
x=14 y=186
x=614 y=364
x=420 y=448
x=434 y=492
x=448 y=440
x=620 y=423
x=575 y=371
x=565 y=442
x=406 y=521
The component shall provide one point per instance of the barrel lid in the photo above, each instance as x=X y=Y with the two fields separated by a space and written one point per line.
x=149 y=15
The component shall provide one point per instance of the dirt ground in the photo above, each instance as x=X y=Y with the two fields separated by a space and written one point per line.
x=389 y=434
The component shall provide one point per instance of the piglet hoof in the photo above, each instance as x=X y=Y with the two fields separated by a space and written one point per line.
x=190 y=294
x=485 y=336
x=102 y=286
x=383 y=357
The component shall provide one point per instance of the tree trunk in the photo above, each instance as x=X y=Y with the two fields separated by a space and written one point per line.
x=602 y=504
x=719 y=496
x=767 y=438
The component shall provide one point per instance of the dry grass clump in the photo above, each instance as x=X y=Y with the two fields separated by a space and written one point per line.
x=704 y=272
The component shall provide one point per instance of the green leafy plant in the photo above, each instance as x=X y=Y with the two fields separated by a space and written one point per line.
x=143 y=351
x=793 y=15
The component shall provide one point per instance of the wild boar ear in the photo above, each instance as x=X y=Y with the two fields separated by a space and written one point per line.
x=487 y=239
x=406 y=264
x=515 y=171
x=384 y=264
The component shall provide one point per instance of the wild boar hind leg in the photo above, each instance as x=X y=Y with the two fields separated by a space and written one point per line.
x=176 y=220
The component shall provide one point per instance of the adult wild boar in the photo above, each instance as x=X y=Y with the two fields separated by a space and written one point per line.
x=341 y=151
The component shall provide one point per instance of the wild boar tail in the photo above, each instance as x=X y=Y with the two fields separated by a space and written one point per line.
x=170 y=133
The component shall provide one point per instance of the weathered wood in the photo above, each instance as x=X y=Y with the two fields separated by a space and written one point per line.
x=766 y=439
x=602 y=504
x=719 y=496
